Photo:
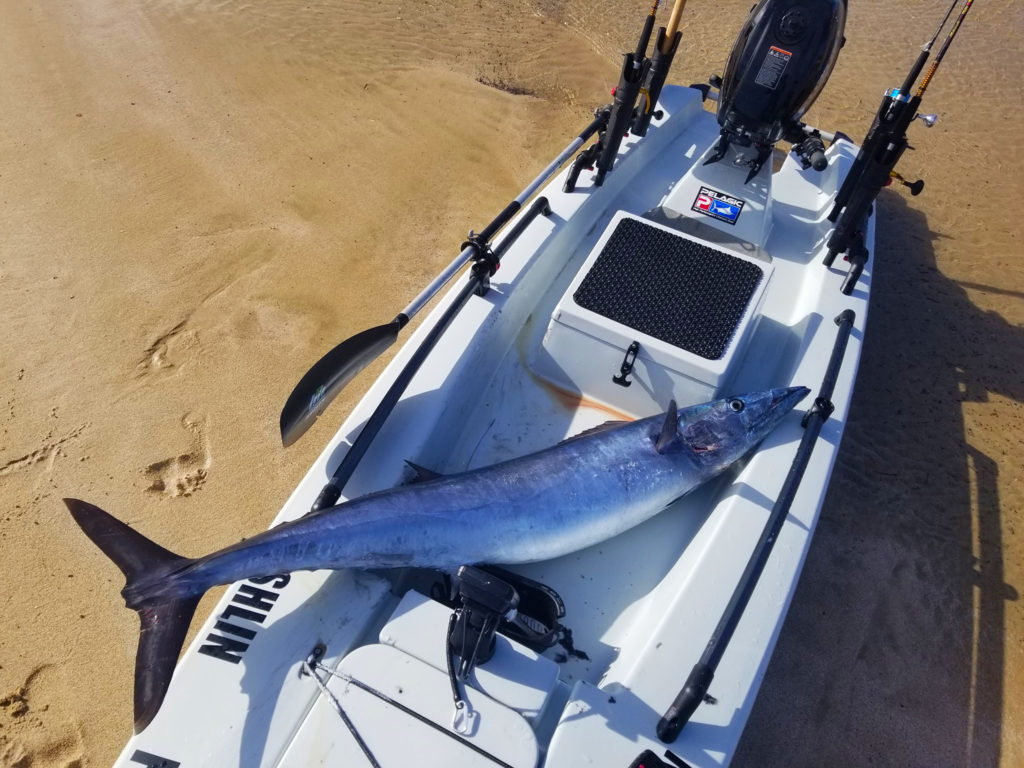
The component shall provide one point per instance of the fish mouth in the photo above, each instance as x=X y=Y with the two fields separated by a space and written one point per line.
x=786 y=399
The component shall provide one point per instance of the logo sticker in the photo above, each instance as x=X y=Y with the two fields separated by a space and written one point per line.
x=718 y=205
x=317 y=398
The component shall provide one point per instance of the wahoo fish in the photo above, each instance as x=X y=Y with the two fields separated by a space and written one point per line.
x=583 y=491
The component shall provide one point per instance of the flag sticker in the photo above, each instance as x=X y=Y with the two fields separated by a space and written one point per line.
x=773 y=67
x=718 y=205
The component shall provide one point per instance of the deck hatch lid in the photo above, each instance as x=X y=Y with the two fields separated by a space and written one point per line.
x=669 y=287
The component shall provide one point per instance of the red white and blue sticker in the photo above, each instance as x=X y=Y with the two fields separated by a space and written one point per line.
x=718 y=205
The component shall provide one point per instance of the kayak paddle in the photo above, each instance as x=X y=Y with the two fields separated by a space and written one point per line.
x=333 y=371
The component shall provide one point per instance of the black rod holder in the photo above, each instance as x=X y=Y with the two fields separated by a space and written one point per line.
x=588 y=156
x=699 y=680
x=882 y=148
x=633 y=74
x=858 y=258
x=656 y=75
x=891 y=109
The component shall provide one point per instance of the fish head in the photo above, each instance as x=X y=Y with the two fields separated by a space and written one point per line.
x=720 y=432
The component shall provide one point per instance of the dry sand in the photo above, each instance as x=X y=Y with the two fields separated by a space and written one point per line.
x=198 y=198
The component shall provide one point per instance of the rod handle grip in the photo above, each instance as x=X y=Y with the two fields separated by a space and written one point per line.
x=686 y=703
x=328 y=497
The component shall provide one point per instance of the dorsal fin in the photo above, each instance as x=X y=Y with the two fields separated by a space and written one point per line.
x=669 y=429
x=422 y=473
x=595 y=430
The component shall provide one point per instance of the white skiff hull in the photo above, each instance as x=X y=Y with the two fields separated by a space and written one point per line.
x=641 y=607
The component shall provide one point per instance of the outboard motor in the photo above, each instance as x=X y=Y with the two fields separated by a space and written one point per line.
x=781 y=60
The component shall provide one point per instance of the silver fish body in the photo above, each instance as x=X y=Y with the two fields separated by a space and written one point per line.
x=559 y=500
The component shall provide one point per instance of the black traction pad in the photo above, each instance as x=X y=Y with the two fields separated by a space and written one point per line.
x=666 y=286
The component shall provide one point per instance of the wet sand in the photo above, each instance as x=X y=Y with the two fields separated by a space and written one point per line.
x=197 y=199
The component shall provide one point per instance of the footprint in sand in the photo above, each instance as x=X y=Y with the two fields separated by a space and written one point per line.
x=47 y=452
x=168 y=351
x=185 y=474
x=35 y=730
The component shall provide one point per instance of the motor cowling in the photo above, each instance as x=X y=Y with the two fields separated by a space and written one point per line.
x=781 y=60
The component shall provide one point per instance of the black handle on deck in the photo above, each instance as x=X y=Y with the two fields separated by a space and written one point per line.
x=699 y=680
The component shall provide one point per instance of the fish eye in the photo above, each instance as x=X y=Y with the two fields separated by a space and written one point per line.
x=736 y=405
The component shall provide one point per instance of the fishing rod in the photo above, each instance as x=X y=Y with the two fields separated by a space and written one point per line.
x=870 y=144
x=922 y=59
x=645 y=33
x=661 y=60
x=942 y=51
x=617 y=116
x=634 y=72
x=882 y=149
x=699 y=680
x=329 y=375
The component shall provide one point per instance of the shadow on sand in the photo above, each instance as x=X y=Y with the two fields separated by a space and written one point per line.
x=893 y=651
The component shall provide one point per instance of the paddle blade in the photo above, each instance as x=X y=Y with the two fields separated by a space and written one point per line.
x=328 y=377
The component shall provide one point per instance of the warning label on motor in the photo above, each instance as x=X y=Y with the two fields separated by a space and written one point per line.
x=772 y=67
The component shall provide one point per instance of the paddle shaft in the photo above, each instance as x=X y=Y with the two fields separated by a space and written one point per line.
x=501 y=220
x=330 y=493
x=696 y=687
x=329 y=375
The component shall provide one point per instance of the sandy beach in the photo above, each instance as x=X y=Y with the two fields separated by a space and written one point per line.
x=198 y=199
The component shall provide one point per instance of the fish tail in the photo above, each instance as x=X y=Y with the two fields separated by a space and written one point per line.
x=164 y=612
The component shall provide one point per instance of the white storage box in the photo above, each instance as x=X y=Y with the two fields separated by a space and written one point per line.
x=690 y=306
